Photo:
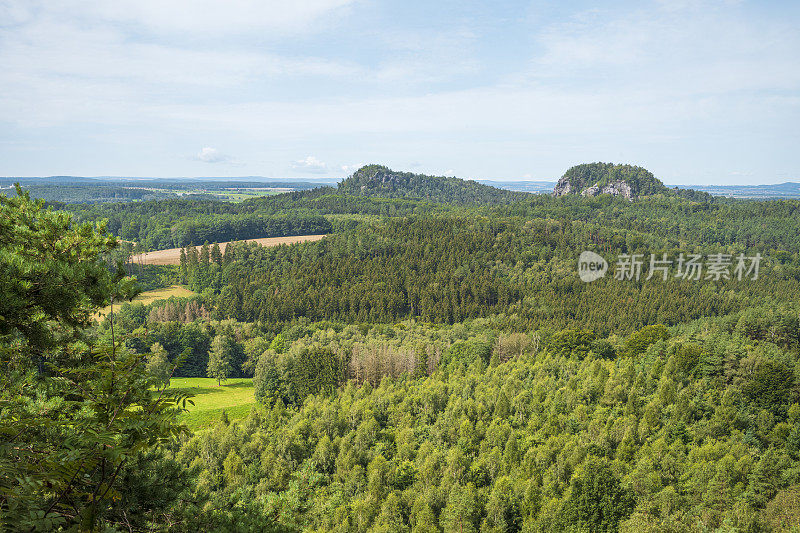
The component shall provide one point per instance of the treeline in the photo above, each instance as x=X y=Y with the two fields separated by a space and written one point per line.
x=176 y=223
x=220 y=228
x=90 y=194
x=766 y=225
x=185 y=329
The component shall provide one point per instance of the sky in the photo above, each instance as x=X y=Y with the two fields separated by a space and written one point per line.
x=696 y=92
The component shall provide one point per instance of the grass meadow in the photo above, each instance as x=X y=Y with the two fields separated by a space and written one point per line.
x=235 y=397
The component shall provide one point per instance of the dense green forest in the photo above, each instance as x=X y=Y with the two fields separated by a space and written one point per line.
x=665 y=431
x=377 y=180
x=433 y=364
x=519 y=261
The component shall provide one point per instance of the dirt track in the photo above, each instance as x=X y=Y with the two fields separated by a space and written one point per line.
x=172 y=256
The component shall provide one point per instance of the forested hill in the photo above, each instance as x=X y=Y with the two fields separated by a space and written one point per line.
x=628 y=181
x=592 y=179
x=377 y=180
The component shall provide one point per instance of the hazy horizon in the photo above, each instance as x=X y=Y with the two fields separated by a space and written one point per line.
x=705 y=89
x=335 y=179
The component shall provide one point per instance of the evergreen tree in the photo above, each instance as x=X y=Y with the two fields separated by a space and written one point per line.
x=216 y=254
x=184 y=267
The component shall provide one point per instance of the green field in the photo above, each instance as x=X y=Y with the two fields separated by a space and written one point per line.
x=239 y=195
x=148 y=297
x=235 y=397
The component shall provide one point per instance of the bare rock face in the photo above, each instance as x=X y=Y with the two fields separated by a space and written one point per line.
x=563 y=187
x=615 y=188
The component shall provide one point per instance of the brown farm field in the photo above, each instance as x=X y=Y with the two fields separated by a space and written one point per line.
x=172 y=256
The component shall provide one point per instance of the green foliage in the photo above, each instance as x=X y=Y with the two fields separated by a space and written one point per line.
x=220 y=357
x=53 y=276
x=73 y=412
x=573 y=341
x=158 y=365
x=316 y=370
x=543 y=441
x=638 y=342
x=467 y=352
x=688 y=356
x=278 y=344
x=772 y=384
x=269 y=381
x=596 y=499
x=604 y=349
x=90 y=423
x=279 y=284
x=436 y=366
x=291 y=377
x=452 y=268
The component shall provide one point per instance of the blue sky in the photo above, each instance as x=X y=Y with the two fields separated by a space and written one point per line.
x=697 y=92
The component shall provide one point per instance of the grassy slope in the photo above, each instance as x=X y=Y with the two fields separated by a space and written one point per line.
x=149 y=297
x=235 y=397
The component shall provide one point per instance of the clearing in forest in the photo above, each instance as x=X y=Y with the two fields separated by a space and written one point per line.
x=148 y=297
x=235 y=397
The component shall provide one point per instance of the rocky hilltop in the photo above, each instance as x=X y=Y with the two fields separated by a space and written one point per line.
x=593 y=179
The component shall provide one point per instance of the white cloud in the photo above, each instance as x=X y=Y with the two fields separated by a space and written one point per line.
x=311 y=165
x=202 y=17
x=57 y=70
x=680 y=49
x=212 y=155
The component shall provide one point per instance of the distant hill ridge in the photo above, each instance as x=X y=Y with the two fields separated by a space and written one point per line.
x=381 y=181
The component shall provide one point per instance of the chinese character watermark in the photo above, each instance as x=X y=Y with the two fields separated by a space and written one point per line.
x=694 y=267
